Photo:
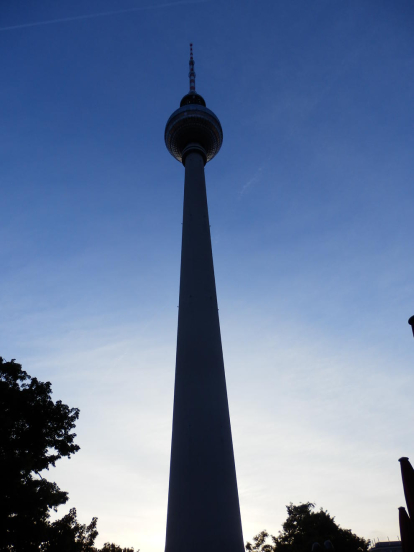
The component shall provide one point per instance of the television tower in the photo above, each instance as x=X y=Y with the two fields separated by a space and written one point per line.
x=203 y=502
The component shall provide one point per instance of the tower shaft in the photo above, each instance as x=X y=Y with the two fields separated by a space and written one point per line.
x=203 y=504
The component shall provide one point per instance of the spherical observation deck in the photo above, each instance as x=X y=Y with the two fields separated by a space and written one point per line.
x=193 y=127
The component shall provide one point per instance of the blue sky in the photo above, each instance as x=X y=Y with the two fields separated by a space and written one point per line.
x=311 y=207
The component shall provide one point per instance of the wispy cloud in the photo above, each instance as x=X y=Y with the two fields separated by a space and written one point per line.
x=100 y=14
x=253 y=180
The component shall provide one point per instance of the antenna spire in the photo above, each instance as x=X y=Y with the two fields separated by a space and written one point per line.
x=192 y=74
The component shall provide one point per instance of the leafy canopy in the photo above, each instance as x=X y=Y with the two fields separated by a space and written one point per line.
x=67 y=534
x=35 y=432
x=302 y=528
x=110 y=547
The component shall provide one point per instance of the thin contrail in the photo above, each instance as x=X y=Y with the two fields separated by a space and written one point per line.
x=101 y=14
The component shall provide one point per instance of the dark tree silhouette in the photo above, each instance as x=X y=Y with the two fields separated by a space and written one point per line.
x=110 y=547
x=68 y=535
x=35 y=432
x=302 y=528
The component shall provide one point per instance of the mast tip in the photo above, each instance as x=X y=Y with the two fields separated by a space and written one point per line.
x=192 y=72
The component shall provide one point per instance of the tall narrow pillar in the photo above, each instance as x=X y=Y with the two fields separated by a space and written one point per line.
x=203 y=504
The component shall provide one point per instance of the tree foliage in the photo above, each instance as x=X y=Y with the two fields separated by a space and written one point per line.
x=302 y=528
x=110 y=547
x=35 y=432
x=67 y=534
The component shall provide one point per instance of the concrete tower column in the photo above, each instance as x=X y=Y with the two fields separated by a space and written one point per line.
x=203 y=504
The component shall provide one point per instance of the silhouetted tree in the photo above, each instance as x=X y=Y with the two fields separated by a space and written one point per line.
x=302 y=528
x=68 y=535
x=110 y=547
x=35 y=432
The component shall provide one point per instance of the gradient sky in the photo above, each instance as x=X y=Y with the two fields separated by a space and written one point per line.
x=311 y=207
